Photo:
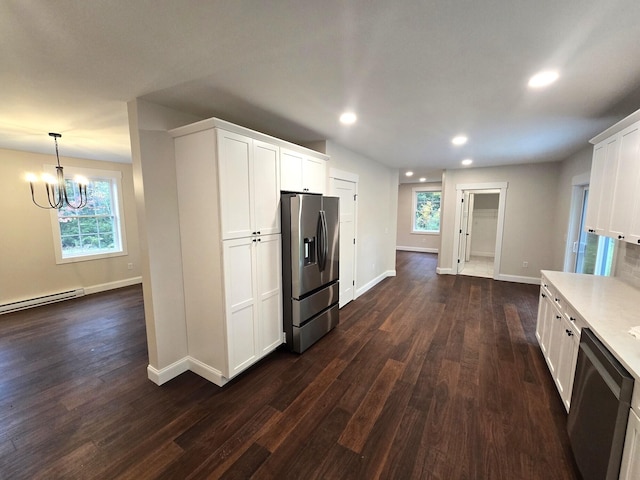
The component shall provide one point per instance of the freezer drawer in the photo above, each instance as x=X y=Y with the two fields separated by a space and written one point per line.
x=313 y=304
x=314 y=329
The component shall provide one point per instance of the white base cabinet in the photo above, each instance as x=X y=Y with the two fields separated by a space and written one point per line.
x=558 y=333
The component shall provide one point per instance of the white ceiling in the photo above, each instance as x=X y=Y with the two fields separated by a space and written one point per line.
x=416 y=72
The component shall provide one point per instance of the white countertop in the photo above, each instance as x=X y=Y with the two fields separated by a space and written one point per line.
x=610 y=308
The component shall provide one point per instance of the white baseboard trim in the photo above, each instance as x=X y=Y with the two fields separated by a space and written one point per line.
x=184 y=364
x=103 y=287
x=445 y=271
x=369 y=285
x=482 y=254
x=167 y=373
x=207 y=372
x=417 y=249
x=517 y=279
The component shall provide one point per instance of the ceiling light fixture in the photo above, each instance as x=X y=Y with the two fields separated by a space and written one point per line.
x=348 y=118
x=459 y=140
x=57 y=187
x=422 y=179
x=467 y=161
x=543 y=79
x=409 y=173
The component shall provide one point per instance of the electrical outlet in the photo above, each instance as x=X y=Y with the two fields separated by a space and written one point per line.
x=525 y=264
x=129 y=266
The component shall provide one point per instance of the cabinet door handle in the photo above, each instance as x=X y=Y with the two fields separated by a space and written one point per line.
x=572 y=319
x=569 y=332
x=620 y=237
x=558 y=317
x=544 y=296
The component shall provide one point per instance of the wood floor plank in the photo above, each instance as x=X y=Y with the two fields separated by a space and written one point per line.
x=357 y=430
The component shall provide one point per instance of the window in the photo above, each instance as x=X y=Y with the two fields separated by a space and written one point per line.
x=594 y=253
x=96 y=230
x=426 y=210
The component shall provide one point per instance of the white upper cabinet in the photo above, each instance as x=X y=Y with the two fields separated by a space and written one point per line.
x=614 y=190
x=627 y=168
x=302 y=173
x=249 y=186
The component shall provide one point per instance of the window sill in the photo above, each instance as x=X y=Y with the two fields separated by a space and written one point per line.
x=418 y=232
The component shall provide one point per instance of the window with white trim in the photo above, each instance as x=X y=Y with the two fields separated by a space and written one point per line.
x=426 y=210
x=96 y=230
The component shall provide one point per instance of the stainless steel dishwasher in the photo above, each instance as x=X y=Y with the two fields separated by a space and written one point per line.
x=600 y=403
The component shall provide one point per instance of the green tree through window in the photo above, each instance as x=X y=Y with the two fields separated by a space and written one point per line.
x=426 y=211
x=95 y=230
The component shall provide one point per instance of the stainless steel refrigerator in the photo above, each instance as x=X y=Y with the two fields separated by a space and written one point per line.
x=310 y=267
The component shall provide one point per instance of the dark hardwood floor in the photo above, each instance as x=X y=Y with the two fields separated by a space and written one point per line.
x=426 y=377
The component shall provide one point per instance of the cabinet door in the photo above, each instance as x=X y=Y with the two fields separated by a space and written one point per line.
x=630 y=468
x=555 y=340
x=608 y=182
x=596 y=184
x=266 y=188
x=234 y=164
x=630 y=150
x=241 y=306
x=628 y=166
x=269 y=266
x=541 y=323
x=314 y=175
x=566 y=361
x=291 y=171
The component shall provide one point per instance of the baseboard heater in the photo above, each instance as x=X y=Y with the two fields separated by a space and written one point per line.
x=44 y=300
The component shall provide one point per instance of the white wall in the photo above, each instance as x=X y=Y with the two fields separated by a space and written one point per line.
x=406 y=239
x=28 y=266
x=157 y=203
x=376 y=217
x=529 y=224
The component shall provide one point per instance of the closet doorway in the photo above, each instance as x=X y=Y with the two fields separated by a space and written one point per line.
x=480 y=220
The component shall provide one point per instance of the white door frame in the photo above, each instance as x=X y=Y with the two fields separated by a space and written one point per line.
x=460 y=189
x=334 y=173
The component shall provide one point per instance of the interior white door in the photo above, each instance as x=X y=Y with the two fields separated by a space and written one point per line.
x=467 y=255
x=347 y=192
x=462 y=231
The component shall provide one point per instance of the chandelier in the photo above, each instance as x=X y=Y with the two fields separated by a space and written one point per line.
x=56 y=187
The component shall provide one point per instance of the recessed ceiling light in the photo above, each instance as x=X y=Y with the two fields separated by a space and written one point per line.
x=409 y=173
x=422 y=179
x=542 y=79
x=348 y=118
x=459 y=140
x=467 y=161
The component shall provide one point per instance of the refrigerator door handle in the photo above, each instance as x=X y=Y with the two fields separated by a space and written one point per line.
x=325 y=240
x=322 y=241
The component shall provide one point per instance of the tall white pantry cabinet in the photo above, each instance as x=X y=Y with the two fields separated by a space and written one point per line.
x=228 y=197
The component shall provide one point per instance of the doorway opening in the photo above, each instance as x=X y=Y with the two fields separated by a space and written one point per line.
x=480 y=221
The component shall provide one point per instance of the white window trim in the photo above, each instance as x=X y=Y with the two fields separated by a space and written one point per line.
x=70 y=172
x=414 y=191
